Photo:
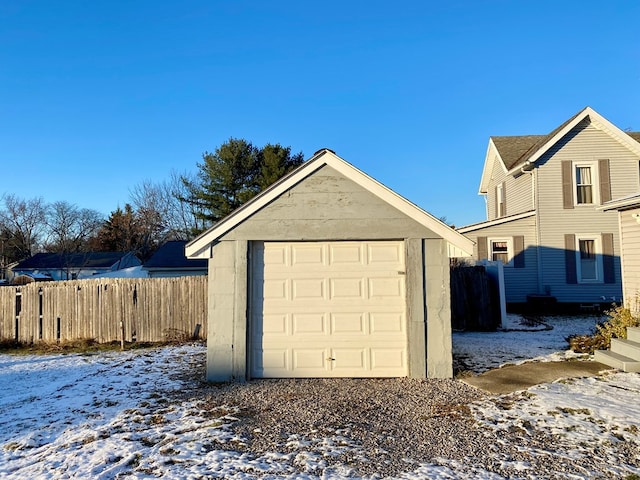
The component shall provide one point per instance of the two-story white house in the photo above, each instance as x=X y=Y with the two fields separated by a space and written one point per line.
x=543 y=222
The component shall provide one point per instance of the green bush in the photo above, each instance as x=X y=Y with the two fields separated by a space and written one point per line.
x=619 y=318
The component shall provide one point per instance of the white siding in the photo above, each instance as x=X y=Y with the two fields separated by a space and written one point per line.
x=518 y=192
x=498 y=176
x=630 y=231
x=585 y=143
x=519 y=282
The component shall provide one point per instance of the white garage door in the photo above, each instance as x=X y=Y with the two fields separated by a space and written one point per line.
x=330 y=309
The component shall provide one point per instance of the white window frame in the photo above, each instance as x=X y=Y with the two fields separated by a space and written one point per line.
x=597 y=242
x=508 y=241
x=595 y=183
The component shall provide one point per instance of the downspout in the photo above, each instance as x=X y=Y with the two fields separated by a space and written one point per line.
x=529 y=168
x=486 y=206
x=534 y=187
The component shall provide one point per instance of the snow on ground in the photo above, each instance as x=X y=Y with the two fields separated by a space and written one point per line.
x=520 y=341
x=121 y=414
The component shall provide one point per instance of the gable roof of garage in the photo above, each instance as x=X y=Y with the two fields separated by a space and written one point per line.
x=200 y=247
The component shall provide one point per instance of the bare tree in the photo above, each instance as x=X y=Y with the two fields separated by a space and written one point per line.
x=22 y=225
x=70 y=227
x=159 y=208
x=186 y=218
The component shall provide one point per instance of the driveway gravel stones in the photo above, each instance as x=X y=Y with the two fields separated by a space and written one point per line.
x=388 y=427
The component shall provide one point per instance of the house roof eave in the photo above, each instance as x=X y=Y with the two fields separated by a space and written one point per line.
x=490 y=158
x=630 y=201
x=497 y=221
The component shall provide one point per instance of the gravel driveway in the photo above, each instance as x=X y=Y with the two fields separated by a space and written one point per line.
x=389 y=426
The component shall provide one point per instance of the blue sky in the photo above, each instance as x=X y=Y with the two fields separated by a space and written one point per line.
x=96 y=97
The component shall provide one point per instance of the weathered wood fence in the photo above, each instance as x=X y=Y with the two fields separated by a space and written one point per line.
x=475 y=300
x=150 y=309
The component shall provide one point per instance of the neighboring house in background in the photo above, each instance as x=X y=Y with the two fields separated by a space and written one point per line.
x=628 y=209
x=130 y=272
x=328 y=273
x=543 y=221
x=170 y=261
x=75 y=266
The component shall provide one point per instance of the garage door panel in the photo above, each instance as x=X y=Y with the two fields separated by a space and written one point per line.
x=275 y=324
x=388 y=358
x=346 y=254
x=385 y=253
x=349 y=361
x=347 y=288
x=272 y=359
x=308 y=289
x=387 y=287
x=309 y=358
x=276 y=254
x=309 y=324
x=387 y=322
x=329 y=309
x=349 y=323
x=276 y=289
x=306 y=255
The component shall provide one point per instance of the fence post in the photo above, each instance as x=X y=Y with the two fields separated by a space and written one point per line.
x=16 y=332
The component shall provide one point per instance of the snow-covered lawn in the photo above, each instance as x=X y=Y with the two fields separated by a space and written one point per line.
x=520 y=341
x=129 y=415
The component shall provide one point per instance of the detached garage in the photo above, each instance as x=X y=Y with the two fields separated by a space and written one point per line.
x=328 y=273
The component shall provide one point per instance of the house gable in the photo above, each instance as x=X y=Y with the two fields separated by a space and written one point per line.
x=328 y=198
x=516 y=154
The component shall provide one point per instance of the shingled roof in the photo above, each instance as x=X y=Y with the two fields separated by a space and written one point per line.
x=171 y=255
x=83 y=260
x=516 y=150
x=513 y=148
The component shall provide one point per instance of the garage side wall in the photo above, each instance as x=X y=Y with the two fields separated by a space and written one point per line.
x=227 y=328
x=415 y=291
x=438 y=301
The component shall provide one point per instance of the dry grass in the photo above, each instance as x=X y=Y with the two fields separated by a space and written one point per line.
x=76 y=346
x=619 y=318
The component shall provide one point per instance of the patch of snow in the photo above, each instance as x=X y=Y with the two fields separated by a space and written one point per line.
x=129 y=272
x=119 y=415
x=520 y=342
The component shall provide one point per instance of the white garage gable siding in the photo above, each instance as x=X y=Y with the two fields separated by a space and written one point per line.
x=329 y=309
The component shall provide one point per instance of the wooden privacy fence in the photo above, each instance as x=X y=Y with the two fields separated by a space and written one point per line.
x=150 y=309
x=475 y=300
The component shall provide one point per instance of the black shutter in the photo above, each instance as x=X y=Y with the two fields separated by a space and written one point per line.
x=570 y=258
x=608 y=258
x=518 y=251
x=482 y=248
x=605 y=180
x=503 y=212
x=567 y=185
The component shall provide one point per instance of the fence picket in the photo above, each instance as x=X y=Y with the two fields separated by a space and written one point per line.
x=151 y=308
